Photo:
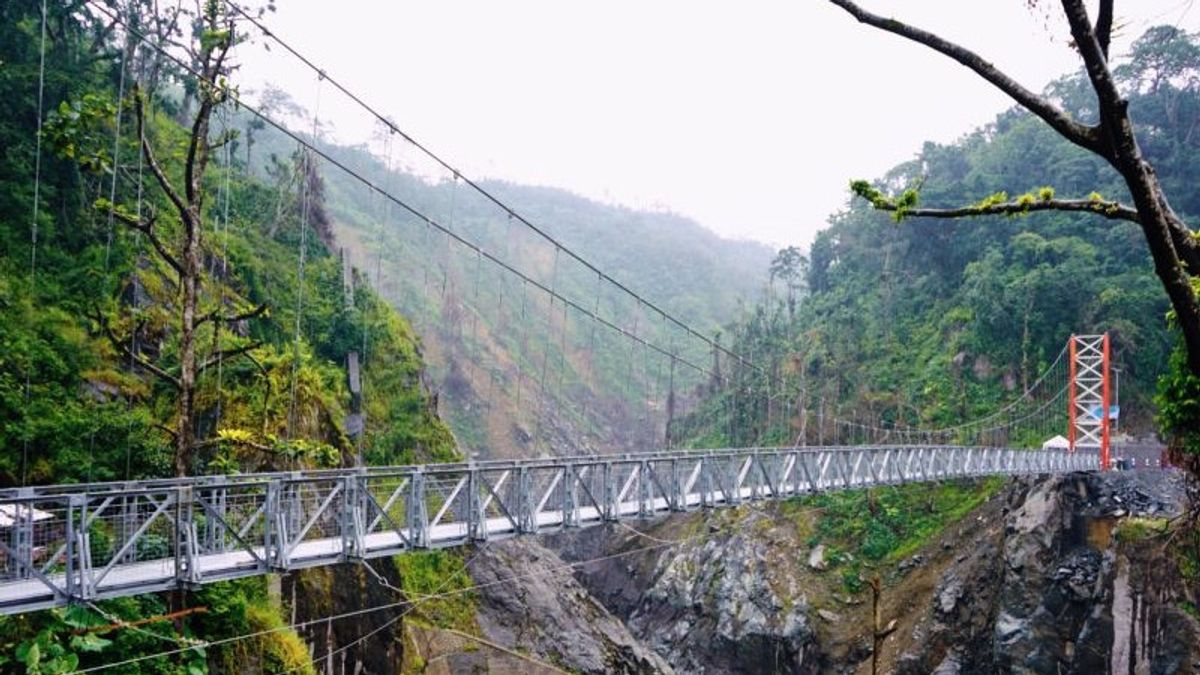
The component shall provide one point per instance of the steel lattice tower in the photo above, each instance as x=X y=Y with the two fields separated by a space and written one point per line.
x=1089 y=396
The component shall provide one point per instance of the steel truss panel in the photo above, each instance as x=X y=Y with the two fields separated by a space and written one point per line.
x=76 y=543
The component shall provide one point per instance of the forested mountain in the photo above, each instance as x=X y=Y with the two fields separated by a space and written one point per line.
x=931 y=322
x=515 y=373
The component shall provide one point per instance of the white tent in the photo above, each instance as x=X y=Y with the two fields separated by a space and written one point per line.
x=1056 y=443
x=10 y=512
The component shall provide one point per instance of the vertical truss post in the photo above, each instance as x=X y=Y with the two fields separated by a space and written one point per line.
x=181 y=544
x=282 y=524
x=1106 y=410
x=1071 y=394
x=418 y=514
x=734 y=472
x=609 y=494
x=476 y=525
x=677 y=501
x=294 y=496
x=272 y=546
x=129 y=523
x=214 y=530
x=643 y=488
x=350 y=518
x=526 y=508
x=75 y=575
x=570 y=496
x=23 y=533
x=186 y=551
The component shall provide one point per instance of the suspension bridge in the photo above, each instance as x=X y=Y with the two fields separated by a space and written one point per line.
x=62 y=544
x=180 y=533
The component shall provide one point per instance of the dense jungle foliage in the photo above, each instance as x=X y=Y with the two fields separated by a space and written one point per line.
x=930 y=322
x=96 y=278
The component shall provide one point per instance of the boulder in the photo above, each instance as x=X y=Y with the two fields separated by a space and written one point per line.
x=816 y=558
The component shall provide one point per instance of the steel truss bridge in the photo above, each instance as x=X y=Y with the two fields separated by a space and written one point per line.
x=76 y=543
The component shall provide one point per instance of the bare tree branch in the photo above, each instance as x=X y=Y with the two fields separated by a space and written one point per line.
x=1121 y=145
x=141 y=361
x=214 y=316
x=209 y=94
x=227 y=137
x=269 y=393
x=165 y=183
x=1079 y=134
x=1172 y=245
x=1108 y=209
x=1104 y=23
x=168 y=430
x=146 y=227
x=1174 y=248
x=225 y=354
x=247 y=443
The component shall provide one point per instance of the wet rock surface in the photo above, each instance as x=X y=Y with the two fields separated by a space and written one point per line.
x=1145 y=493
x=1048 y=587
x=731 y=602
x=337 y=646
x=546 y=612
x=1039 y=579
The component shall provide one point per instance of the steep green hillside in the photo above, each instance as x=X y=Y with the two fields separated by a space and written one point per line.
x=515 y=373
x=90 y=332
x=96 y=280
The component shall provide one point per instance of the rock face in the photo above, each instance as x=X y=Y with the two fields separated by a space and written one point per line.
x=730 y=602
x=547 y=612
x=816 y=557
x=1034 y=581
x=724 y=608
x=1048 y=588
x=324 y=591
x=1049 y=576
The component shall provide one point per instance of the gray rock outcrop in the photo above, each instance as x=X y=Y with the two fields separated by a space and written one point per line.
x=530 y=600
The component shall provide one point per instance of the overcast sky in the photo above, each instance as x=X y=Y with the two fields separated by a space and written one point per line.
x=750 y=117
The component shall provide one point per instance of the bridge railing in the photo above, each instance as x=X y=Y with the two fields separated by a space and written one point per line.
x=60 y=544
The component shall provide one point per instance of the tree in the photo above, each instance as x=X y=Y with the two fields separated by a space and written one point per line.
x=822 y=255
x=1174 y=248
x=791 y=267
x=183 y=252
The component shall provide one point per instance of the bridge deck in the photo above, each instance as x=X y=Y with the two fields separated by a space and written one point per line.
x=74 y=543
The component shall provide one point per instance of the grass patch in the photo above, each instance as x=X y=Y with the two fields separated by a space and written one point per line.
x=281 y=651
x=442 y=574
x=885 y=525
x=1140 y=529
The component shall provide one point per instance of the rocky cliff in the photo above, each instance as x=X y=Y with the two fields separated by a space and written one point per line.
x=1073 y=574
